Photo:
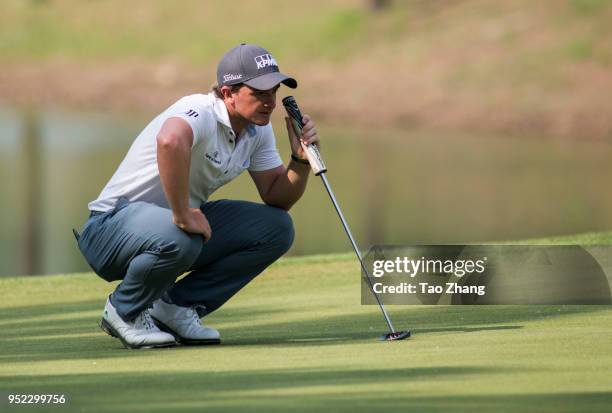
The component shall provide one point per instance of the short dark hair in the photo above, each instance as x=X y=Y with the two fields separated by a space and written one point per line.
x=233 y=88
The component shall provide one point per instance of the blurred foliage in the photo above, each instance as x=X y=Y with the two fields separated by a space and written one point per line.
x=191 y=29
x=589 y=7
x=580 y=49
x=197 y=31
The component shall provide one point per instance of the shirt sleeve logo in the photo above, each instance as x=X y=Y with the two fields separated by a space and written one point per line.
x=192 y=113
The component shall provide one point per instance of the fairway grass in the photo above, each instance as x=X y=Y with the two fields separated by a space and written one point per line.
x=297 y=339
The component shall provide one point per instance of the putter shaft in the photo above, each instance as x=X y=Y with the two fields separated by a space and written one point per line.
x=354 y=244
x=319 y=169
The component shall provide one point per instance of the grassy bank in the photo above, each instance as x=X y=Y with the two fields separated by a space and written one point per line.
x=198 y=32
x=511 y=66
x=297 y=339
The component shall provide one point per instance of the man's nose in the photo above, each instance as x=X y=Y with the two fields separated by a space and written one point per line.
x=270 y=102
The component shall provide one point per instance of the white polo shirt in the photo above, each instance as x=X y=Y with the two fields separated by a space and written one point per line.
x=216 y=159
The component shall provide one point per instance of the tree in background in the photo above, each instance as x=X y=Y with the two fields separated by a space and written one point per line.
x=379 y=4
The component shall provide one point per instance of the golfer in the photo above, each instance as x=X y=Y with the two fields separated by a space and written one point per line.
x=153 y=222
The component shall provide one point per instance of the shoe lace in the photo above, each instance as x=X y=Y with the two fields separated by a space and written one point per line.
x=194 y=315
x=145 y=320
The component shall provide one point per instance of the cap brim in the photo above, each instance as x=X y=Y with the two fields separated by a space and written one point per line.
x=269 y=80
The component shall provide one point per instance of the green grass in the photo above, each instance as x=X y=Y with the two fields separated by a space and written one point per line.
x=297 y=339
x=194 y=31
x=199 y=32
x=587 y=238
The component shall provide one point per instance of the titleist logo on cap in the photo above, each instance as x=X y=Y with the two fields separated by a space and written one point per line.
x=231 y=76
x=265 y=60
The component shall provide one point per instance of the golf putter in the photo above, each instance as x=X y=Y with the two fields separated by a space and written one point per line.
x=319 y=169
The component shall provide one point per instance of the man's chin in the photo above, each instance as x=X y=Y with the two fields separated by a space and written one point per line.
x=261 y=122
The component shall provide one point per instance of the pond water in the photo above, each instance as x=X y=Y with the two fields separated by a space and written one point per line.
x=395 y=186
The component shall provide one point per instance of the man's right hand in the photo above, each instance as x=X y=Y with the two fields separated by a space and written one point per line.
x=194 y=222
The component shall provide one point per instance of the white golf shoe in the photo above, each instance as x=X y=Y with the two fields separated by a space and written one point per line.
x=139 y=333
x=183 y=323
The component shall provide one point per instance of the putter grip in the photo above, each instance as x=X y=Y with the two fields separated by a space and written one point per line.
x=311 y=151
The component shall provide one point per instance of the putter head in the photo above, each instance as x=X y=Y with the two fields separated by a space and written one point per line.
x=398 y=335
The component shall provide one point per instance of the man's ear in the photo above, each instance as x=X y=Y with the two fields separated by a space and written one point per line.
x=226 y=91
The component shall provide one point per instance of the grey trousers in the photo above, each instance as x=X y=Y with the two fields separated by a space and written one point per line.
x=138 y=243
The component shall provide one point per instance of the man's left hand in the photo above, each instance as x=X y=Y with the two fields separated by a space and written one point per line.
x=309 y=136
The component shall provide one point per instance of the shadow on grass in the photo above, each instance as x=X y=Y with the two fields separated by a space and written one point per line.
x=162 y=390
x=434 y=319
x=283 y=390
x=14 y=315
x=30 y=333
x=37 y=321
x=81 y=338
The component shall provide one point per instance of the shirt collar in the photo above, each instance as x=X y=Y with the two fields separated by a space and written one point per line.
x=220 y=112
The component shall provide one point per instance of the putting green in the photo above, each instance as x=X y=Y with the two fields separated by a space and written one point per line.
x=297 y=339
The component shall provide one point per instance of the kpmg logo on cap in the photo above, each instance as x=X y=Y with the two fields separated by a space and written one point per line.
x=265 y=60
